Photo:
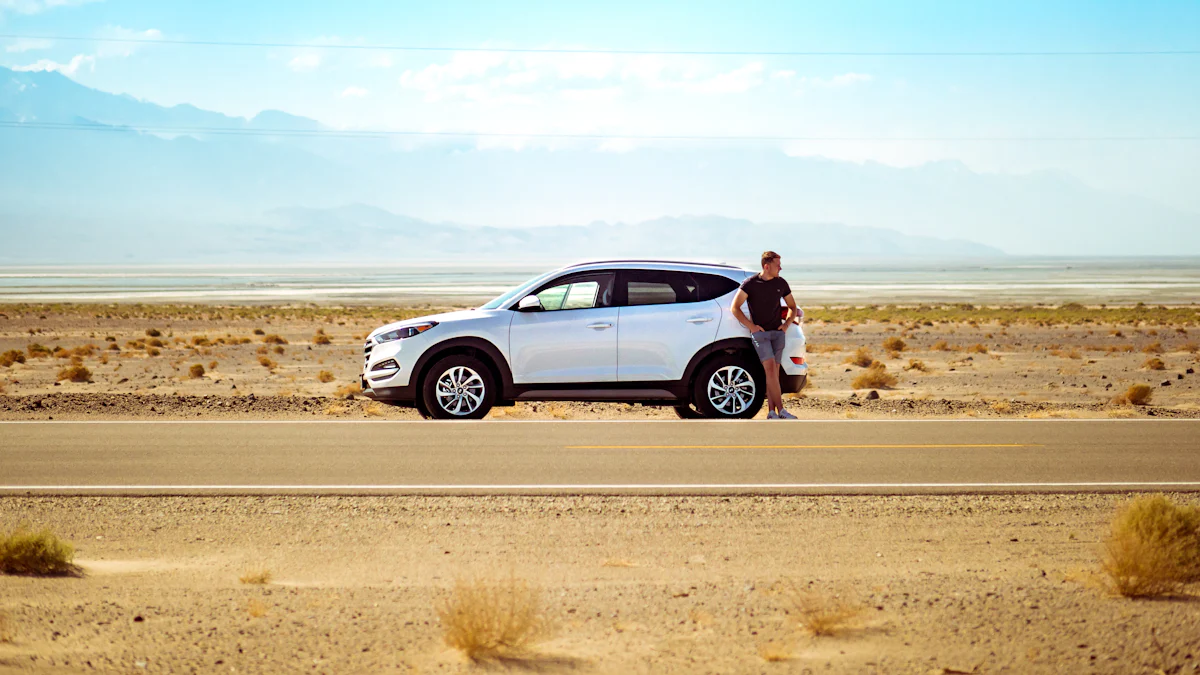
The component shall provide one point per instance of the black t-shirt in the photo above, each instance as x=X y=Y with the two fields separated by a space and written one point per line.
x=763 y=300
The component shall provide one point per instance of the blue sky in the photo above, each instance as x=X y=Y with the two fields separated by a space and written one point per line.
x=703 y=95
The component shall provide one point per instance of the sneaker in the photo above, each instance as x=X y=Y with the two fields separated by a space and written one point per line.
x=785 y=415
x=772 y=415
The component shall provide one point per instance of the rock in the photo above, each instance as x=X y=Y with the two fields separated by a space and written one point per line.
x=1190 y=371
x=1166 y=383
x=873 y=395
x=853 y=395
x=1179 y=376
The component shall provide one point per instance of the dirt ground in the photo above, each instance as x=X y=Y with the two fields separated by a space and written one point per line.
x=1020 y=369
x=950 y=584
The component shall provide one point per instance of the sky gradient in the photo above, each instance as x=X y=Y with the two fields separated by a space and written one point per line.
x=846 y=96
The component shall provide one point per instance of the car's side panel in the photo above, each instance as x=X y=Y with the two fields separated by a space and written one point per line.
x=574 y=345
x=655 y=342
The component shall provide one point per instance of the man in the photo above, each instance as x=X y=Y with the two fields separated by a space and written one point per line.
x=761 y=293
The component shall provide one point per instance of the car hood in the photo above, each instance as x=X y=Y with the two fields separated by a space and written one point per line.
x=444 y=317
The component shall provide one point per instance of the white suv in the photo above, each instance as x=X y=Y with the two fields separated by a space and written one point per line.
x=635 y=331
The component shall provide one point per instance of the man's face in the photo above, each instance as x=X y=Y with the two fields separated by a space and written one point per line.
x=773 y=267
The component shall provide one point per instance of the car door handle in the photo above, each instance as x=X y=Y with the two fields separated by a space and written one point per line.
x=599 y=326
x=700 y=319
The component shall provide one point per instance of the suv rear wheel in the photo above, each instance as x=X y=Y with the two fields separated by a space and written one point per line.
x=729 y=387
x=458 y=387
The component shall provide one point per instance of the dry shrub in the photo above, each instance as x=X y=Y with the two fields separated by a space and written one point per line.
x=75 y=373
x=256 y=608
x=373 y=409
x=114 y=347
x=977 y=348
x=1190 y=348
x=822 y=615
x=492 y=620
x=85 y=351
x=274 y=339
x=36 y=553
x=259 y=331
x=196 y=371
x=619 y=562
x=336 y=409
x=37 y=351
x=942 y=346
x=201 y=341
x=819 y=348
x=256 y=577
x=917 y=364
x=862 y=358
x=894 y=344
x=325 y=376
x=1153 y=547
x=261 y=350
x=267 y=363
x=1068 y=354
x=349 y=390
x=153 y=332
x=278 y=349
x=1154 y=363
x=10 y=357
x=321 y=339
x=1002 y=407
x=8 y=630
x=1153 y=348
x=151 y=351
x=875 y=377
x=1138 y=394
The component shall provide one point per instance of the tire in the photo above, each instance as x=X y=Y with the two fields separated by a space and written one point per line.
x=743 y=400
x=467 y=389
x=686 y=412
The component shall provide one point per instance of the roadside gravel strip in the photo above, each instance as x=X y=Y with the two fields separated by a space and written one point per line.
x=948 y=584
x=158 y=406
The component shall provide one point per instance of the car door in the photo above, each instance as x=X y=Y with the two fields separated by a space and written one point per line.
x=573 y=338
x=663 y=321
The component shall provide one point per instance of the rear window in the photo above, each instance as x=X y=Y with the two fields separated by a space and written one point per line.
x=713 y=286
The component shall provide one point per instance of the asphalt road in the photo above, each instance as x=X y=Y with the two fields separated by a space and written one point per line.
x=684 y=457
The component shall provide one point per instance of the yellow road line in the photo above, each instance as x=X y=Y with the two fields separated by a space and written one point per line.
x=801 y=447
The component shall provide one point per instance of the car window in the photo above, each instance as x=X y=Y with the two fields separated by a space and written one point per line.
x=580 y=292
x=713 y=286
x=658 y=287
x=582 y=295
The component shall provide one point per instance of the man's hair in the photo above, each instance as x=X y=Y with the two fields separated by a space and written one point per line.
x=768 y=256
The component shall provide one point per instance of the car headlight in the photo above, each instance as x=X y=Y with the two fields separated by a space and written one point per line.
x=405 y=332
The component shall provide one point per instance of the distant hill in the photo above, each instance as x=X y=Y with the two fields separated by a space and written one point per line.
x=120 y=194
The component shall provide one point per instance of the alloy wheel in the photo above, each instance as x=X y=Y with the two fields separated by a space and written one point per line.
x=731 y=390
x=460 y=390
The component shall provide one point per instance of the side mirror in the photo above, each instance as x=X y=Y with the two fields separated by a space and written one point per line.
x=529 y=303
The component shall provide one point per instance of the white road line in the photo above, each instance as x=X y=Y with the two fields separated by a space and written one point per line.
x=432 y=424
x=617 y=486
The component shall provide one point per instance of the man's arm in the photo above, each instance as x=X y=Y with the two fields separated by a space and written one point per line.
x=793 y=313
x=738 y=301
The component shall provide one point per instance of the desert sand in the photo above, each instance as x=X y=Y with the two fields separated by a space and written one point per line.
x=952 y=584
x=1032 y=367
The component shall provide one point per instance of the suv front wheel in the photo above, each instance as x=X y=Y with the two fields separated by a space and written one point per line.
x=458 y=387
x=729 y=387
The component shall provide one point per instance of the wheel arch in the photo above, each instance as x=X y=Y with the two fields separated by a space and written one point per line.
x=476 y=347
x=727 y=346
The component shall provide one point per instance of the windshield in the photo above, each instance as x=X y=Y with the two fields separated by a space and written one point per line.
x=519 y=291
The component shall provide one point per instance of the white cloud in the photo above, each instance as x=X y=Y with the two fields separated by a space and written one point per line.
x=843 y=80
x=735 y=81
x=596 y=95
x=354 y=92
x=306 y=62
x=123 y=49
x=783 y=74
x=28 y=45
x=69 y=68
x=379 y=60
x=37 y=6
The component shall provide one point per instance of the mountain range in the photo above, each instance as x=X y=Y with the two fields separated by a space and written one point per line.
x=103 y=177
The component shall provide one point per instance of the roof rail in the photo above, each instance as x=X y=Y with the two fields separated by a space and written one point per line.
x=649 y=260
